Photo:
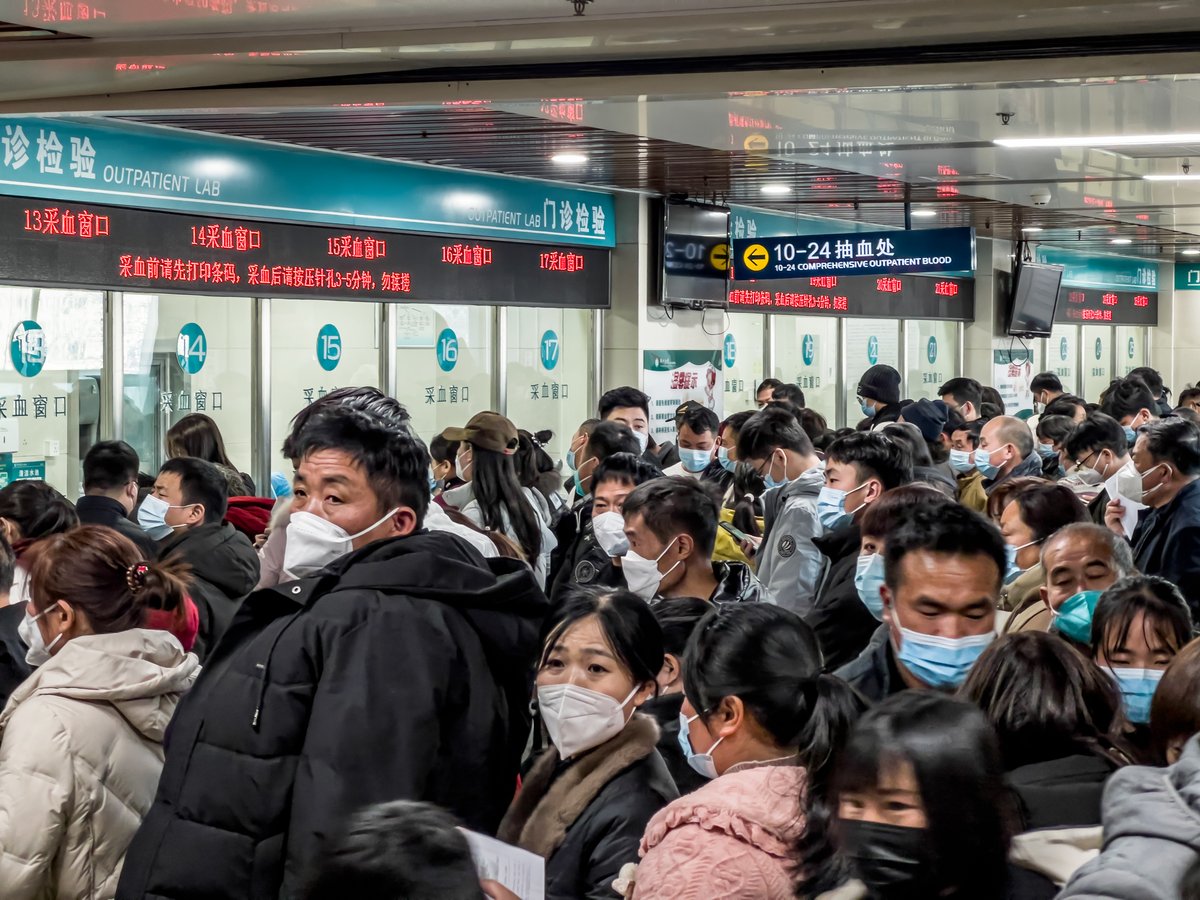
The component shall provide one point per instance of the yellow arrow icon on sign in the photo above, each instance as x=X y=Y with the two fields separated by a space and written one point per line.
x=756 y=257
x=718 y=256
x=756 y=142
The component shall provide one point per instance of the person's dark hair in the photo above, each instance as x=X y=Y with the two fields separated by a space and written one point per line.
x=814 y=425
x=771 y=383
x=1175 y=709
x=1047 y=507
x=969 y=811
x=502 y=503
x=442 y=450
x=678 y=618
x=397 y=849
x=37 y=509
x=624 y=398
x=909 y=435
x=1186 y=413
x=991 y=397
x=630 y=468
x=197 y=436
x=1055 y=429
x=699 y=419
x=1166 y=614
x=90 y=568
x=1188 y=394
x=1151 y=377
x=883 y=516
x=791 y=393
x=365 y=399
x=8 y=566
x=670 y=506
x=769 y=429
x=608 y=438
x=1096 y=433
x=1003 y=493
x=748 y=488
x=738 y=420
x=626 y=622
x=1066 y=405
x=972 y=430
x=394 y=460
x=1045 y=700
x=873 y=455
x=109 y=465
x=535 y=468
x=1175 y=441
x=1046 y=381
x=952 y=530
x=1126 y=397
x=200 y=482
x=964 y=391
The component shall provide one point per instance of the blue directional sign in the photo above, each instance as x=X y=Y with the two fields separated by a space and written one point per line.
x=865 y=253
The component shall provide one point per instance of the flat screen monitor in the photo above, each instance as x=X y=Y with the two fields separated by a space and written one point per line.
x=1034 y=299
x=695 y=247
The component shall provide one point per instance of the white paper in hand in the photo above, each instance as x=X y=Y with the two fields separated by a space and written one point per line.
x=520 y=871
x=1129 y=518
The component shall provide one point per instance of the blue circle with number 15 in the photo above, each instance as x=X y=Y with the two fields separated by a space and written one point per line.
x=191 y=348
x=329 y=347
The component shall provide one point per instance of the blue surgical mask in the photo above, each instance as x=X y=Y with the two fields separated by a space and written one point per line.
x=1045 y=451
x=433 y=482
x=771 y=482
x=940 y=662
x=961 y=462
x=983 y=462
x=1130 y=435
x=571 y=460
x=1011 y=570
x=1074 y=618
x=280 y=486
x=694 y=461
x=1137 y=690
x=152 y=517
x=831 y=506
x=723 y=458
x=702 y=763
x=867 y=409
x=868 y=579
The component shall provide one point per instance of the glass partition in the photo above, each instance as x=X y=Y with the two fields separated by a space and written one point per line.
x=806 y=353
x=867 y=342
x=931 y=358
x=1062 y=356
x=1096 y=349
x=743 y=360
x=1130 y=343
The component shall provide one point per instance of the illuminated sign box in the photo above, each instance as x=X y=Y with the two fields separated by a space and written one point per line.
x=845 y=254
x=884 y=296
x=1099 y=306
x=87 y=245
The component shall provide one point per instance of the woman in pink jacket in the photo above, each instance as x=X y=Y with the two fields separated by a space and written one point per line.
x=762 y=723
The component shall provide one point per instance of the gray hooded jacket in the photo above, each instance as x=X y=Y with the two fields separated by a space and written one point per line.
x=789 y=564
x=1151 y=833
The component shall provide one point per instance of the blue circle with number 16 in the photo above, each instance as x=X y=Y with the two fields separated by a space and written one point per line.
x=191 y=348
x=329 y=347
x=447 y=349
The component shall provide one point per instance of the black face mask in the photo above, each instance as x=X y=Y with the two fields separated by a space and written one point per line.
x=891 y=861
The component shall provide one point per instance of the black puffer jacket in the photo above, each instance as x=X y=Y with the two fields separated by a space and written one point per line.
x=401 y=671
x=843 y=623
x=737 y=584
x=101 y=510
x=224 y=570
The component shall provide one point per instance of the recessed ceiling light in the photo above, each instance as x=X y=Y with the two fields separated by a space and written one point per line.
x=1172 y=177
x=1104 y=140
x=1122 y=241
x=776 y=189
x=569 y=159
x=1030 y=229
x=924 y=213
x=1191 y=251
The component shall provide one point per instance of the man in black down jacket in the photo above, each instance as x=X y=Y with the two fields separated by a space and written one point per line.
x=401 y=670
x=110 y=492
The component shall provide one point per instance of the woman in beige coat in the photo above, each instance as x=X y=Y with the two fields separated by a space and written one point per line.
x=81 y=738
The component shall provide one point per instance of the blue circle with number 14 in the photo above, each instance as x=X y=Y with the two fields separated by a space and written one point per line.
x=191 y=348
x=329 y=347
x=447 y=349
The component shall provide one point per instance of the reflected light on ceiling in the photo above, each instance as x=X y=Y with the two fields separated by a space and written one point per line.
x=1106 y=140
x=1172 y=177
x=776 y=189
x=1191 y=251
x=924 y=213
x=569 y=159
x=1121 y=241
x=1032 y=229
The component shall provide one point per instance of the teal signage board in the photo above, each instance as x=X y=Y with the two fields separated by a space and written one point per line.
x=746 y=222
x=1187 y=276
x=127 y=164
x=1114 y=272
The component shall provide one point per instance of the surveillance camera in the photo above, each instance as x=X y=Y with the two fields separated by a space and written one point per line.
x=1040 y=198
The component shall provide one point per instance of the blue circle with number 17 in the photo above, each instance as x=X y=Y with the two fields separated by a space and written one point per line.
x=447 y=349
x=548 y=350
x=191 y=348
x=329 y=347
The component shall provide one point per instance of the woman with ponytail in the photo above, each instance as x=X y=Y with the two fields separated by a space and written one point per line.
x=81 y=739
x=762 y=723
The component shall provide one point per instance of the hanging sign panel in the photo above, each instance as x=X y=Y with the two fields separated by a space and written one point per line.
x=84 y=245
x=1097 y=306
x=865 y=253
x=885 y=297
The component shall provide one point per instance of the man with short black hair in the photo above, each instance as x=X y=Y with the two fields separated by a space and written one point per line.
x=1099 y=451
x=773 y=444
x=789 y=393
x=400 y=667
x=1131 y=403
x=110 y=492
x=696 y=438
x=631 y=408
x=943 y=570
x=1046 y=387
x=1006 y=451
x=1067 y=405
x=766 y=391
x=859 y=469
x=184 y=512
x=964 y=396
x=964 y=440
x=1154 y=381
x=671 y=526
x=1166 y=541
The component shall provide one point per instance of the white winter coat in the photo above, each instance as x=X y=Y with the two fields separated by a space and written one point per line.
x=80 y=756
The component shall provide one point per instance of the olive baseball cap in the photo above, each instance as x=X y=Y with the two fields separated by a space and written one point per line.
x=488 y=431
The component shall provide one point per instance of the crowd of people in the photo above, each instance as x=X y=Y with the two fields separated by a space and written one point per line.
x=947 y=653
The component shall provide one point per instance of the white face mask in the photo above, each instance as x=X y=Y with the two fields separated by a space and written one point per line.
x=579 y=719
x=609 y=529
x=38 y=653
x=643 y=440
x=152 y=516
x=313 y=542
x=642 y=575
